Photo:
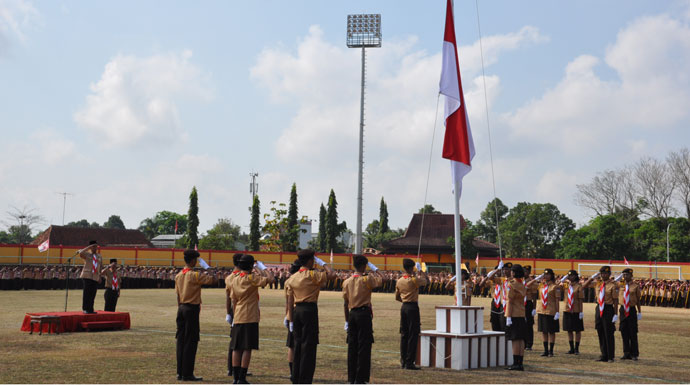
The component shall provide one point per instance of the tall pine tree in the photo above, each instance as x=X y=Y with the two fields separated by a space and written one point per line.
x=193 y=220
x=291 y=239
x=322 y=229
x=383 y=217
x=332 y=228
x=254 y=232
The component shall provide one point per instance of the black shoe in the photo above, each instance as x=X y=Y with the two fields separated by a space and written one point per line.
x=517 y=367
x=611 y=360
x=230 y=373
x=412 y=367
x=192 y=378
x=626 y=357
x=179 y=377
x=248 y=374
x=242 y=382
x=528 y=348
x=601 y=359
x=571 y=351
x=545 y=354
x=634 y=358
x=577 y=352
x=550 y=354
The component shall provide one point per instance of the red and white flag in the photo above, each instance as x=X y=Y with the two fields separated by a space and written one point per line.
x=625 y=260
x=175 y=226
x=44 y=246
x=476 y=260
x=458 y=145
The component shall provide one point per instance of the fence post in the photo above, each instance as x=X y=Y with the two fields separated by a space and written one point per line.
x=61 y=253
x=21 y=253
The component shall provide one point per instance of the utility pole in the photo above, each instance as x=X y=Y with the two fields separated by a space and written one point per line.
x=253 y=186
x=64 y=203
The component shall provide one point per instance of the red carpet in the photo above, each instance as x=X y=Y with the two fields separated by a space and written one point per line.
x=69 y=321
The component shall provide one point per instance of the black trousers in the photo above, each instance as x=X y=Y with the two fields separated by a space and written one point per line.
x=111 y=297
x=305 y=322
x=187 y=338
x=360 y=336
x=90 y=288
x=529 y=320
x=497 y=319
x=409 y=332
x=605 y=330
x=628 y=327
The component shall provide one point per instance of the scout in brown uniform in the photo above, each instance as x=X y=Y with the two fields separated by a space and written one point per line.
x=530 y=310
x=357 y=306
x=605 y=316
x=188 y=288
x=515 y=316
x=498 y=286
x=90 y=275
x=302 y=296
x=573 y=315
x=245 y=305
x=547 y=310
x=407 y=292
x=228 y=302
x=630 y=312
x=113 y=282
x=290 y=342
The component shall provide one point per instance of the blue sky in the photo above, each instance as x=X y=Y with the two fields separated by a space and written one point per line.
x=127 y=105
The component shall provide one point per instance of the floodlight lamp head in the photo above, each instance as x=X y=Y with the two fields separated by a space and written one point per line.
x=364 y=31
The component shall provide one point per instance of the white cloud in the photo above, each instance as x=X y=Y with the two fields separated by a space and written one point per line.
x=136 y=99
x=16 y=17
x=651 y=57
x=556 y=186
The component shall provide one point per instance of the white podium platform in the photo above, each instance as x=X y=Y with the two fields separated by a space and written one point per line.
x=460 y=342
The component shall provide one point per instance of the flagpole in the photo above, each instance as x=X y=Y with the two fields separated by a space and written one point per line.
x=458 y=250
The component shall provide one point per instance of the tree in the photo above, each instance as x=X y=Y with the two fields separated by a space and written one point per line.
x=322 y=229
x=6 y=237
x=534 y=230
x=605 y=237
x=680 y=170
x=26 y=221
x=383 y=217
x=290 y=240
x=656 y=185
x=114 y=222
x=332 y=230
x=193 y=220
x=428 y=209
x=254 y=232
x=222 y=236
x=84 y=224
x=467 y=236
x=163 y=223
x=275 y=226
x=487 y=226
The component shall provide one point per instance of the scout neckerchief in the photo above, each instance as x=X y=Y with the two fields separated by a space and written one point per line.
x=186 y=270
x=506 y=289
x=544 y=292
x=115 y=284
x=626 y=300
x=571 y=293
x=600 y=300
x=94 y=262
x=497 y=296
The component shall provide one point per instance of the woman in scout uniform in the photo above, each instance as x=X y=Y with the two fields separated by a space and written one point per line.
x=573 y=315
x=516 y=326
x=530 y=310
x=497 y=286
x=245 y=308
x=547 y=310
x=228 y=302
x=605 y=316
x=630 y=312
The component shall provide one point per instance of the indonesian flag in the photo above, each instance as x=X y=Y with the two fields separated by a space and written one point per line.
x=175 y=226
x=476 y=260
x=44 y=246
x=625 y=260
x=458 y=145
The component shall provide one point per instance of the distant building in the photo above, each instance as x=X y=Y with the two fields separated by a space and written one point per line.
x=80 y=236
x=166 y=241
x=305 y=234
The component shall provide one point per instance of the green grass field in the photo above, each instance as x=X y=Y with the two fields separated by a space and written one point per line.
x=146 y=353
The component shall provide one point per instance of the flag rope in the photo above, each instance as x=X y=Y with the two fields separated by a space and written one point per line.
x=428 y=175
x=488 y=129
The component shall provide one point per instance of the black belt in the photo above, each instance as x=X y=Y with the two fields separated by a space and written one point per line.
x=191 y=304
x=360 y=308
x=313 y=304
x=411 y=303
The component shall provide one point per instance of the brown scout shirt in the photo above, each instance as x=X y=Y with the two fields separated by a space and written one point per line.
x=109 y=279
x=357 y=289
x=634 y=293
x=553 y=296
x=87 y=271
x=515 y=305
x=407 y=287
x=188 y=286
x=245 y=297
x=228 y=281
x=306 y=285
x=578 y=297
x=610 y=291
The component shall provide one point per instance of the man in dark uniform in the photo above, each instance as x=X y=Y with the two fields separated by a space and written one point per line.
x=302 y=295
x=113 y=282
x=606 y=293
x=530 y=310
x=407 y=292
x=90 y=275
x=630 y=312
x=188 y=288
x=358 y=316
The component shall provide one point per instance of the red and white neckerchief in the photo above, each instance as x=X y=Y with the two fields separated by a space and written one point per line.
x=506 y=289
x=571 y=293
x=94 y=263
x=303 y=269
x=186 y=270
x=525 y=301
x=356 y=275
x=626 y=300
x=600 y=300
x=406 y=276
x=497 y=296
x=543 y=293
x=116 y=284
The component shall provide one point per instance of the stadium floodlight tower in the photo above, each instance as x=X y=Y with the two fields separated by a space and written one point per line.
x=363 y=31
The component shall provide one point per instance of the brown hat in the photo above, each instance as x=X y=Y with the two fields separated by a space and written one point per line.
x=627 y=270
x=605 y=269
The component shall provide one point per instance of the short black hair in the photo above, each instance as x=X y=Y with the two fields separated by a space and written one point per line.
x=518 y=271
x=359 y=260
x=465 y=275
x=190 y=255
x=236 y=259
x=305 y=255
x=408 y=264
x=247 y=262
x=113 y=260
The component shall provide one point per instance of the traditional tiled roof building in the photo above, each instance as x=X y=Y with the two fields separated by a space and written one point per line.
x=80 y=236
